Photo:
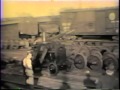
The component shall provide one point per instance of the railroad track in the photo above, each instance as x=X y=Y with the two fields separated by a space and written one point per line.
x=46 y=81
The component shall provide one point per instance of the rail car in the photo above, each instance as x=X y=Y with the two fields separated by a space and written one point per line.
x=12 y=31
x=91 y=21
x=15 y=30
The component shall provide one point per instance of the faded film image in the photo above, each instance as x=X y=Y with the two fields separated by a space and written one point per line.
x=60 y=44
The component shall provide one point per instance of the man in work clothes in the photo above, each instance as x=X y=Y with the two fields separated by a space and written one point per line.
x=108 y=81
x=27 y=63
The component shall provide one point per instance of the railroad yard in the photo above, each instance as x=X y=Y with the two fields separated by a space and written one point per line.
x=77 y=49
x=73 y=80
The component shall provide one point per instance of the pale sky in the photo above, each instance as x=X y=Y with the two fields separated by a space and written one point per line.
x=36 y=8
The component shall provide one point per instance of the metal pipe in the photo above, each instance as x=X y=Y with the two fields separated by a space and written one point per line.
x=44 y=37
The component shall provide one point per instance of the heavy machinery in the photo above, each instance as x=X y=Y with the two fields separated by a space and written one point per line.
x=90 y=37
x=51 y=55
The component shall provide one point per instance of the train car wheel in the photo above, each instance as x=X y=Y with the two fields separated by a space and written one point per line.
x=109 y=59
x=79 y=62
x=53 y=68
x=94 y=62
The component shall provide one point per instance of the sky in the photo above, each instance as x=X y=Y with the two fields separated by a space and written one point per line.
x=37 y=8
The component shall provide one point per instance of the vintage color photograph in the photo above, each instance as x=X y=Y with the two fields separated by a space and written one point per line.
x=60 y=44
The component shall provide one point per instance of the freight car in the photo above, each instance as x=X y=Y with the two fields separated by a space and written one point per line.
x=13 y=30
x=9 y=35
x=91 y=21
x=16 y=32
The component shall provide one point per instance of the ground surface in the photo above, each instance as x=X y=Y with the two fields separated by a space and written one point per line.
x=73 y=80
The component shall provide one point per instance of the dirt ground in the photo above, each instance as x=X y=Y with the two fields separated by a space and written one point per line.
x=73 y=80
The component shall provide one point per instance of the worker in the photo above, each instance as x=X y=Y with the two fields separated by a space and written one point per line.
x=108 y=80
x=27 y=63
x=89 y=82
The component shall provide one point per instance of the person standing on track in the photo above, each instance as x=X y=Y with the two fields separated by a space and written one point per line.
x=27 y=63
